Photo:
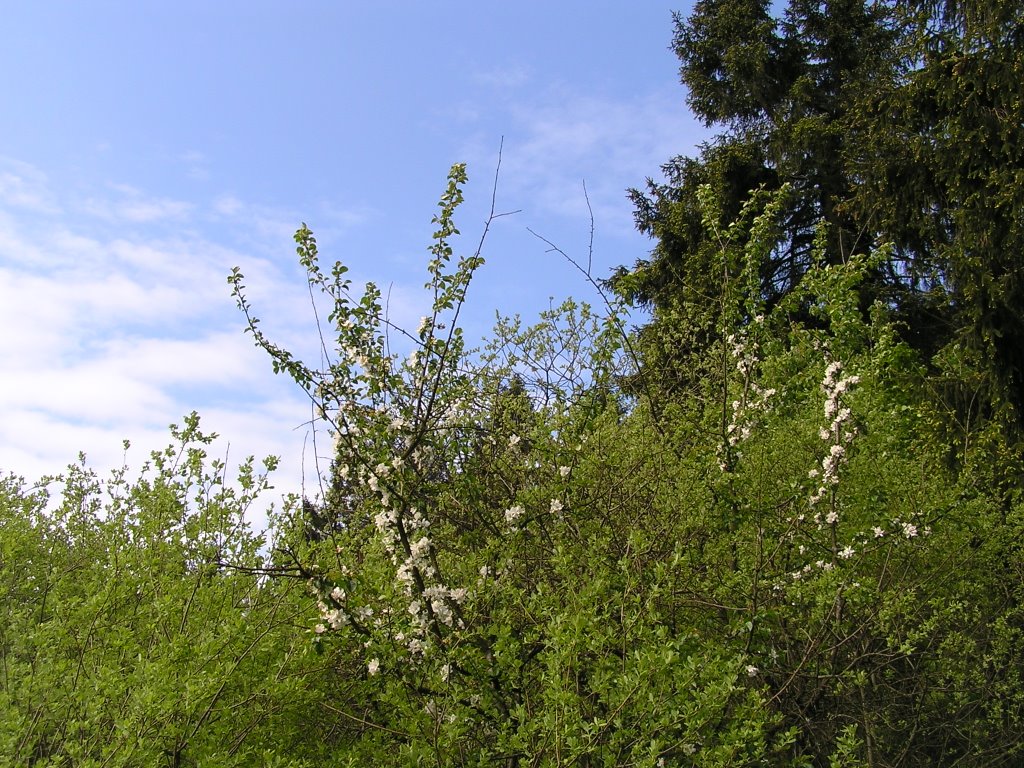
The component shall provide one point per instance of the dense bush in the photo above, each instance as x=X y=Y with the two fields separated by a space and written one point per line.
x=524 y=558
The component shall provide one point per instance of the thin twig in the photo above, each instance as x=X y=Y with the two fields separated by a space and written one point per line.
x=361 y=721
x=612 y=313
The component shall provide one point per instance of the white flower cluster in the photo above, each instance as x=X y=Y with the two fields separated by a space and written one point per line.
x=822 y=565
x=744 y=357
x=336 y=613
x=512 y=514
x=753 y=401
x=901 y=529
x=835 y=386
x=442 y=601
x=910 y=530
x=333 y=616
x=405 y=534
x=435 y=601
x=452 y=414
x=838 y=434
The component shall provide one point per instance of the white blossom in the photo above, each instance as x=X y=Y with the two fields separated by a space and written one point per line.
x=514 y=513
x=384 y=520
x=442 y=611
x=419 y=549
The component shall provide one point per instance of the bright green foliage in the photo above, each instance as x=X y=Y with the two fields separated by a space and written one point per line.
x=522 y=563
x=523 y=559
x=134 y=632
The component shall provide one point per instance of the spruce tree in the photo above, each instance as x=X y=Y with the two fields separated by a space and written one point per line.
x=894 y=123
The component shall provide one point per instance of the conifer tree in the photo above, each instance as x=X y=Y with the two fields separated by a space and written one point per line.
x=887 y=122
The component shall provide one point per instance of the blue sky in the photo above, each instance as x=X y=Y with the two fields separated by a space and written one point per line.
x=148 y=147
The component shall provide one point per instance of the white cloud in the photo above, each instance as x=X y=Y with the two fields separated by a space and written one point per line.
x=502 y=77
x=196 y=164
x=559 y=139
x=228 y=205
x=565 y=141
x=24 y=186
x=110 y=337
x=132 y=206
x=74 y=285
x=91 y=392
x=114 y=332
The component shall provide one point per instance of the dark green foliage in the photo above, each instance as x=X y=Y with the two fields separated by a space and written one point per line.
x=780 y=90
x=941 y=173
x=889 y=123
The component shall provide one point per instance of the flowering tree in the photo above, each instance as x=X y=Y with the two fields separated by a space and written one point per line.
x=522 y=562
x=483 y=572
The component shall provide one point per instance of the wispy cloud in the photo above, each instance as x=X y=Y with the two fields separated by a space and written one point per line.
x=228 y=205
x=559 y=139
x=131 y=205
x=196 y=164
x=507 y=77
x=114 y=332
x=112 y=335
x=24 y=186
